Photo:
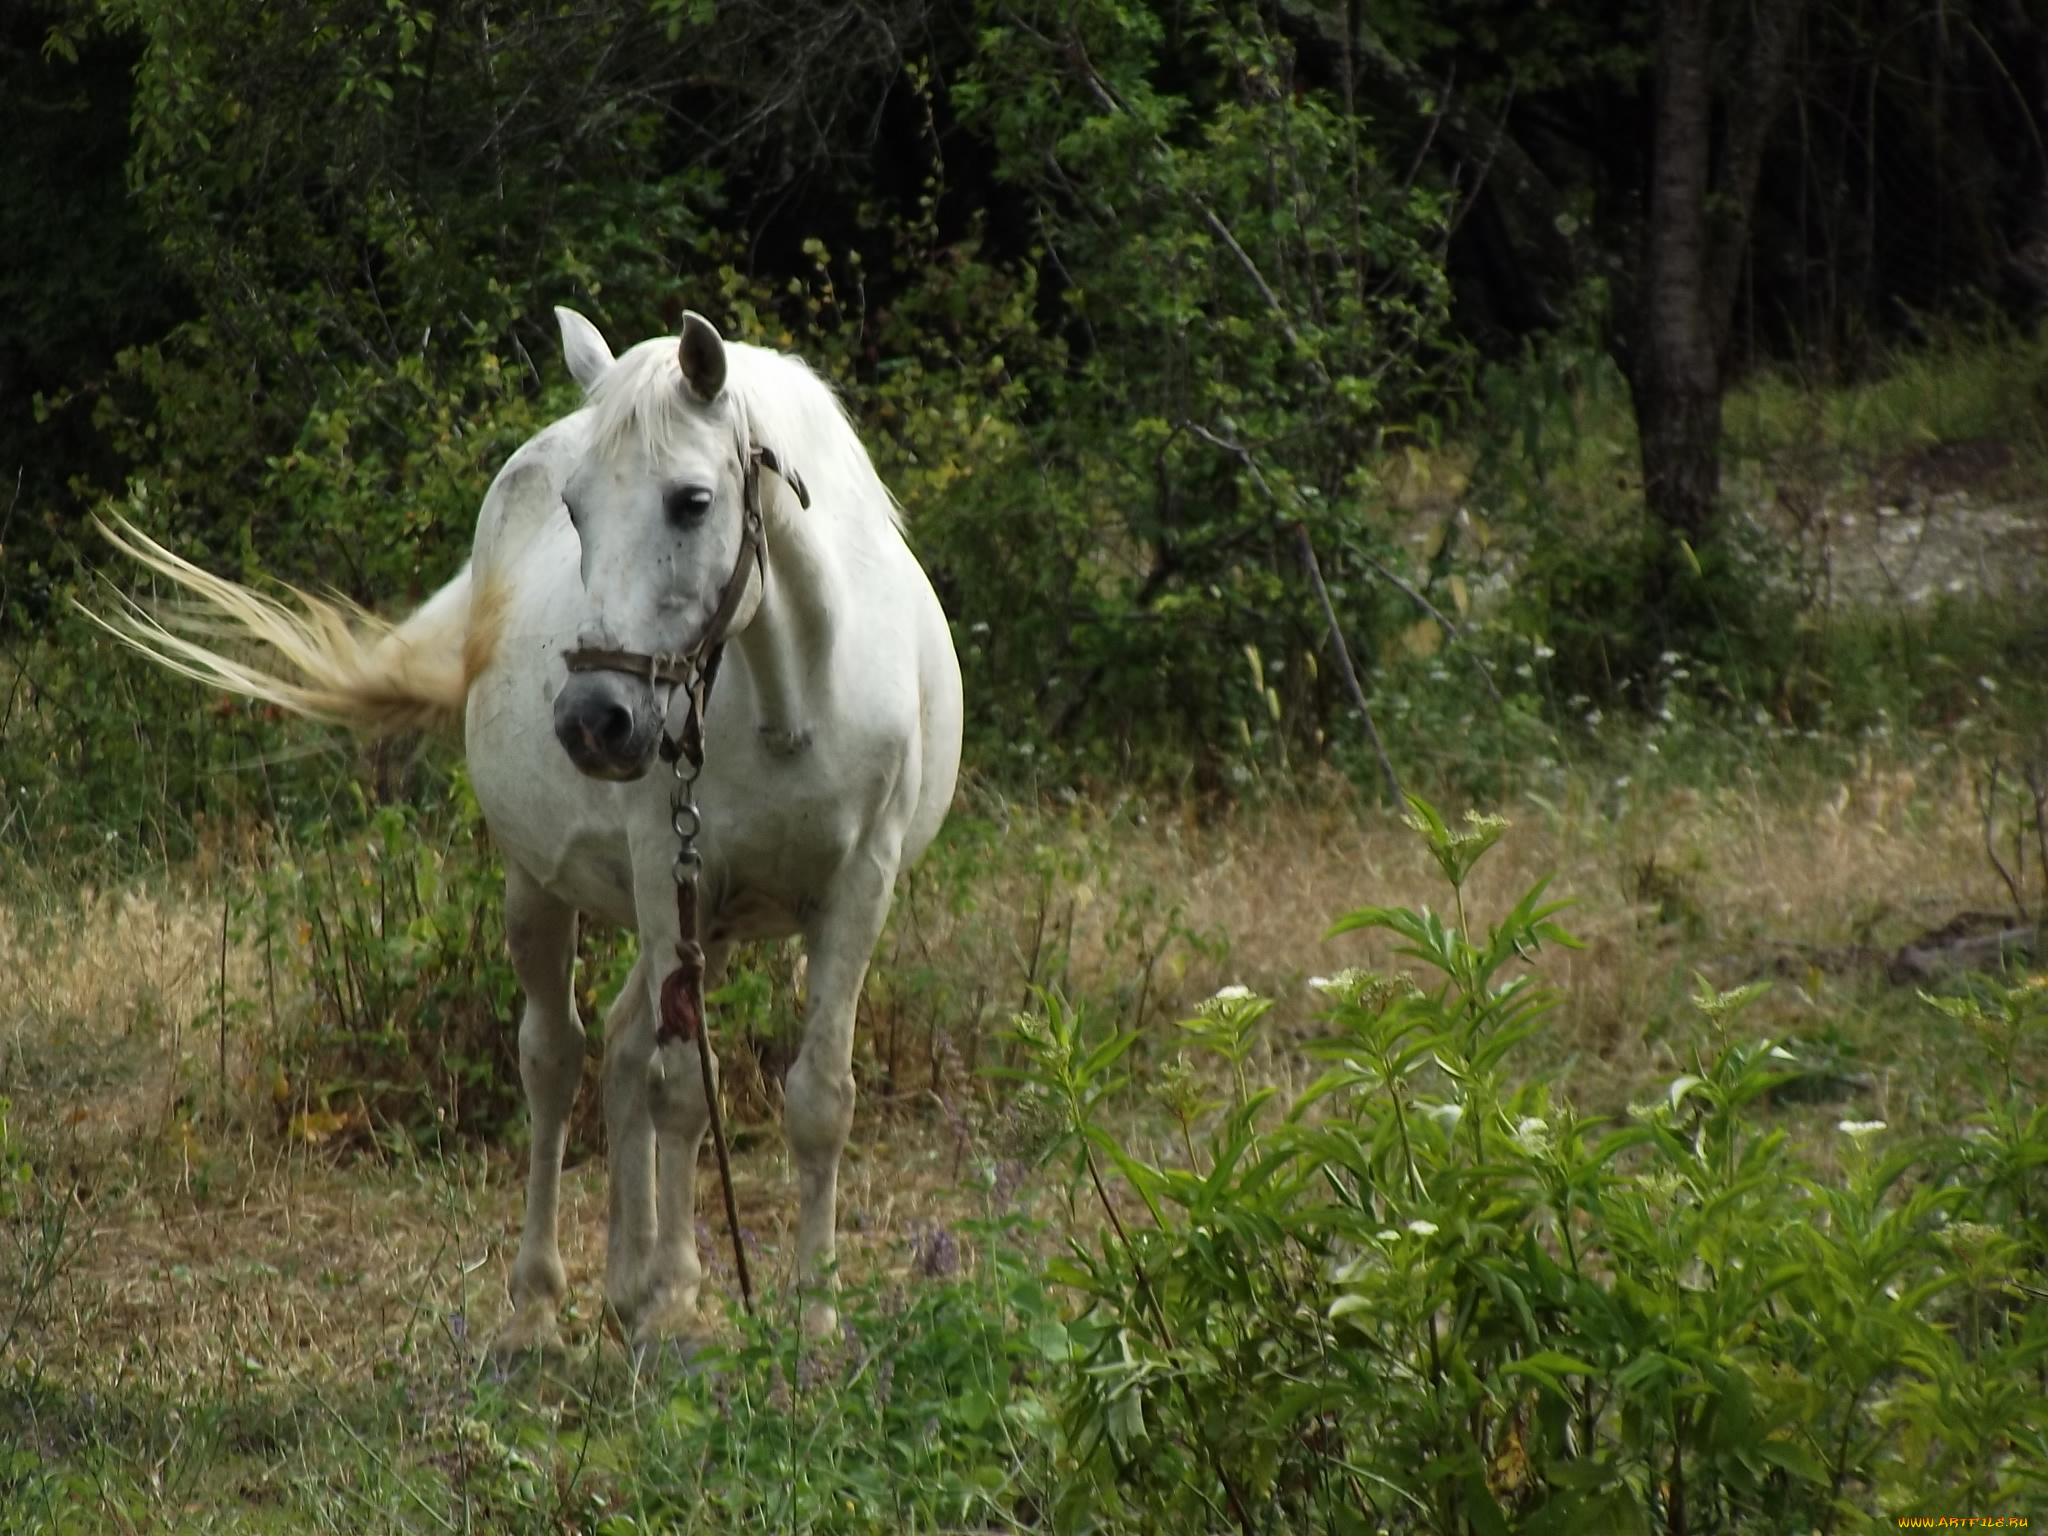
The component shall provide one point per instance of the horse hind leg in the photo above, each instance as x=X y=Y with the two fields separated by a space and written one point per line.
x=630 y=1225
x=541 y=932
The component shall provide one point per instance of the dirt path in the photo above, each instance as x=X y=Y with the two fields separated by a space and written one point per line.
x=1959 y=520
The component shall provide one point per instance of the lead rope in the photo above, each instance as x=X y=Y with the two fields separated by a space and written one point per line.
x=682 y=993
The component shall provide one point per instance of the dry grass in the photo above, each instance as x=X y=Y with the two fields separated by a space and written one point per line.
x=1749 y=879
x=218 y=1245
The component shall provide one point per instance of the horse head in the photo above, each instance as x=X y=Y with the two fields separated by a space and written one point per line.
x=666 y=504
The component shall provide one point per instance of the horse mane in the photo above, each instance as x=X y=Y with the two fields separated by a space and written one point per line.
x=640 y=403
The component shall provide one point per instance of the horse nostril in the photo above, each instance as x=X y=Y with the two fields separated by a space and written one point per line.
x=604 y=727
x=615 y=726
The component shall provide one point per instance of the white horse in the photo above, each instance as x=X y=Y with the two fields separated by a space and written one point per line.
x=831 y=743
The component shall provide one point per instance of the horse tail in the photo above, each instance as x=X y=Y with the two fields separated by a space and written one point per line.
x=343 y=665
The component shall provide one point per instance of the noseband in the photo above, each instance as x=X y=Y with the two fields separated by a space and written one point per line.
x=695 y=670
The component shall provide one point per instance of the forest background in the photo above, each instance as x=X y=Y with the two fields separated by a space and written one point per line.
x=1143 y=308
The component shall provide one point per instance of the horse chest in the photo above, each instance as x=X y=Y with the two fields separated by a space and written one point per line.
x=773 y=849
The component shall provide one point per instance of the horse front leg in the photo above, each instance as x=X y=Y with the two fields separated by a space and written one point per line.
x=673 y=1080
x=818 y=1093
x=541 y=934
x=629 y=1145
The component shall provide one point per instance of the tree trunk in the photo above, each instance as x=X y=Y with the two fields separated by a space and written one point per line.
x=1677 y=375
x=1695 y=241
x=2016 y=52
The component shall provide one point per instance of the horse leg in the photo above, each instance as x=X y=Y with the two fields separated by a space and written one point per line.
x=541 y=934
x=818 y=1093
x=629 y=1145
x=676 y=1103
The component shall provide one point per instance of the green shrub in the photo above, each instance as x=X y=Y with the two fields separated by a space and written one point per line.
x=395 y=936
x=1418 y=1296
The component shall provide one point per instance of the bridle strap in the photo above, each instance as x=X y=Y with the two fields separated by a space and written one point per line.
x=656 y=669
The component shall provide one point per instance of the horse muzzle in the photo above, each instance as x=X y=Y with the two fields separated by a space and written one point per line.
x=608 y=723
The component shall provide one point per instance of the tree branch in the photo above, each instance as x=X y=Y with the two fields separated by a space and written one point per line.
x=1372 y=730
x=1457 y=635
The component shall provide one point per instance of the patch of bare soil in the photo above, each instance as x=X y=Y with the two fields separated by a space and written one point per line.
x=322 y=1269
x=1953 y=520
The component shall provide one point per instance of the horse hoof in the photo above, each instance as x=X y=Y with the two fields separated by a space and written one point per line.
x=532 y=1330
x=668 y=1335
x=821 y=1321
x=666 y=1316
x=666 y=1353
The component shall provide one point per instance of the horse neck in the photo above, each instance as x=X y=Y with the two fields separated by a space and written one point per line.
x=788 y=643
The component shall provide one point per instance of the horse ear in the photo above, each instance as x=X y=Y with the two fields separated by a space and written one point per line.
x=702 y=355
x=583 y=348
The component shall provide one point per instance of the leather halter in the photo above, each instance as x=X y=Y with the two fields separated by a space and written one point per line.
x=695 y=670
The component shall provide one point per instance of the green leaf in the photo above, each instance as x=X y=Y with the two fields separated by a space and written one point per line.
x=1548 y=1365
x=1793 y=1458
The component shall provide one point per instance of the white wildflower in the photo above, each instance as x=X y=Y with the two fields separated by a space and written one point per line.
x=1232 y=994
x=1858 y=1129
x=1422 y=1228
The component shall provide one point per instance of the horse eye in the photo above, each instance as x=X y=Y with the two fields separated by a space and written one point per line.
x=686 y=503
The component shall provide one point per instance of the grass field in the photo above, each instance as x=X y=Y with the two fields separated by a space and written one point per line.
x=228 y=1305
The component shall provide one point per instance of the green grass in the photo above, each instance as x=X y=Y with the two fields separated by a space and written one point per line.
x=1244 y=1349
x=922 y=1417
x=1962 y=387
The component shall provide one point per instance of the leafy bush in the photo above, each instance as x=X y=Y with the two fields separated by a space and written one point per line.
x=1105 y=435
x=1236 y=348
x=1416 y=1296
x=396 y=935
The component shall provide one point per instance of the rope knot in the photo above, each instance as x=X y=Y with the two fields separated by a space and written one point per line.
x=682 y=996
